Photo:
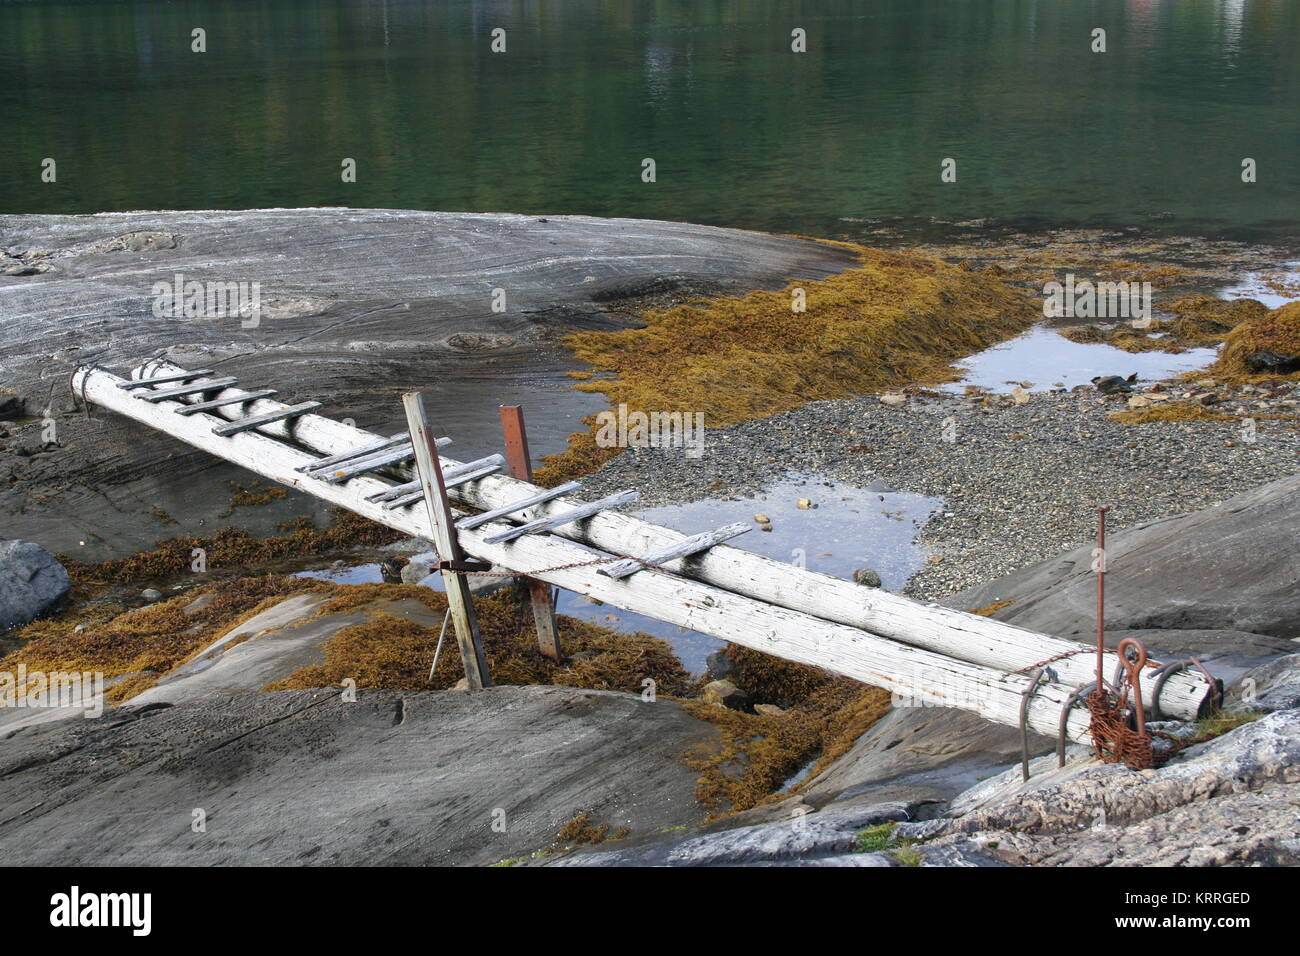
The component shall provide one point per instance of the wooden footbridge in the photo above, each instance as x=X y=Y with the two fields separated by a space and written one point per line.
x=489 y=510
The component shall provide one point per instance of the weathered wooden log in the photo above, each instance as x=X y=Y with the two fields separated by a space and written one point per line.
x=918 y=677
x=969 y=637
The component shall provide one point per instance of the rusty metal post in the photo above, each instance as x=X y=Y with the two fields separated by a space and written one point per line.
x=539 y=592
x=450 y=556
x=1100 y=565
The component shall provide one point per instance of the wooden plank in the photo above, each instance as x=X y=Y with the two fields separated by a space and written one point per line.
x=682 y=549
x=224 y=401
x=180 y=376
x=364 y=451
x=539 y=592
x=491 y=462
x=911 y=672
x=542 y=525
x=245 y=424
x=445 y=540
x=979 y=640
x=540 y=498
x=449 y=482
x=351 y=469
x=211 y=385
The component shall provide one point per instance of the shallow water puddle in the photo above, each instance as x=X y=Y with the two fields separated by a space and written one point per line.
x=1046 y=359
x=849 y=528
x=1274 y=289
x=355 y=574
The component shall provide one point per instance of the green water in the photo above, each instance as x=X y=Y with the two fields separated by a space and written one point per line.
x=743 y=131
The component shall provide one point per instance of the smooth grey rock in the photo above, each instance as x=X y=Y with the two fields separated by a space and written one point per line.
x=1231 y=567
x=1272 y=686
x=1229 y=801
x=303 y=777
x=357 y=304
x=151 y=594
x=803 y=840
x=31 y=582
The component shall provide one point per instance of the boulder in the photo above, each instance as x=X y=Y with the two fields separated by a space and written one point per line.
x=31 y=582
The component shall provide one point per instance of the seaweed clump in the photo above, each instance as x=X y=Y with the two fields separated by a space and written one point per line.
x=393 y=652
x=142 y=645
x=1277 y=332
x=823 y=716
x=895 y=319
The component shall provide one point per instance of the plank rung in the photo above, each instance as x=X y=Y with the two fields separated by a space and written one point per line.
x=551 y=494
x=398 y=491
x=359 y=466
x=163 y=379
x=211 y=385
x=222 y=402
x=671 y=552
x=364 y=451
x=244 y=424
x=461 y=477
x=564 y=517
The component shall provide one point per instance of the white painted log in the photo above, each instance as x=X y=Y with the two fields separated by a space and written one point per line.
x=969 y=637
x=918 y=677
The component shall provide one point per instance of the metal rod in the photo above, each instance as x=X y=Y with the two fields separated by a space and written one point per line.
x=539 y=592
x=1101 y=596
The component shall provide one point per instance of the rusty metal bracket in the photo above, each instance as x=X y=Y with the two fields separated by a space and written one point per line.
x=463 y=566
x=1035 y=679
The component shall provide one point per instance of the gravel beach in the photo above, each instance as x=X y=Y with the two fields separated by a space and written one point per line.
x=1021 y=481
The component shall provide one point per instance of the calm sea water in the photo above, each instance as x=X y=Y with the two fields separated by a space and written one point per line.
x=743 y=131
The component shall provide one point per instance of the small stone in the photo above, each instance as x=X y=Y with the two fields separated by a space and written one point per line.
x=892 y=398
x=723 y=693
x=804 y=504
x=462 y=684
x=151 y=594
x=1019 y=395
x=769 y=710
x=1138 y=401
x=866 y=577
x=761 y=518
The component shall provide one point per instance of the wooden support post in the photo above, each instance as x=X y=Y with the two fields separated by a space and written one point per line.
x=539 y=592
x=445 y=540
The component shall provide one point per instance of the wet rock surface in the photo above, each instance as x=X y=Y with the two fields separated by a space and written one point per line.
x=356 y=307
x=306 y=778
